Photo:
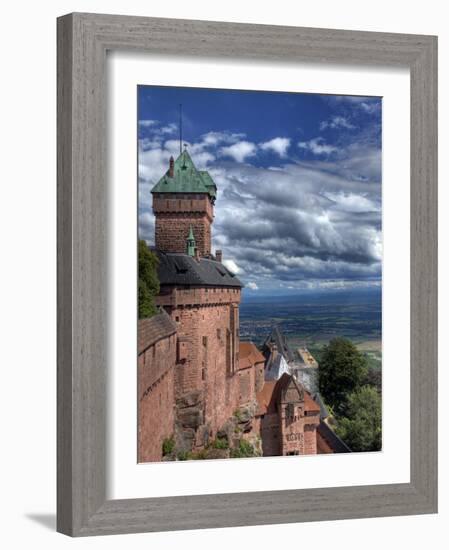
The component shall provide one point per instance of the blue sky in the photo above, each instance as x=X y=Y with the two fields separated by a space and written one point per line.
x=298 y=176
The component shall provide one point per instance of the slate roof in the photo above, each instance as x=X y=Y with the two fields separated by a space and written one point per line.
x=186 y=179
x=153 y=329
x=182 y=269
x=324 y=413
x=332 y=439
x=275 y=367
x=282 y=346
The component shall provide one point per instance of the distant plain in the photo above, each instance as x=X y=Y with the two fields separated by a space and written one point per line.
x=312 y=319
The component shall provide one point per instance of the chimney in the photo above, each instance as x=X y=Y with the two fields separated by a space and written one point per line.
x=171 y=170
x=219 y=255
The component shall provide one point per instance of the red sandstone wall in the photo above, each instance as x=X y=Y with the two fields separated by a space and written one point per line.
x=210 y=349
x=196 y=297
x=310 y=444
x=246 y=385
x=270 y=434
x=259 y=376
x=174 y=216
x=292 y=430
x=299 y=433
x=155 y=398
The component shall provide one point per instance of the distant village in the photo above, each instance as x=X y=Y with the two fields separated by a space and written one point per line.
x=203 y=393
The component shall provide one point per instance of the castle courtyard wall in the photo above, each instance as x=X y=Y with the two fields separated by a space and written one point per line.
x=156 y=368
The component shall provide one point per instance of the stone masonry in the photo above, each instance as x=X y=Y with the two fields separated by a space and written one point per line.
x=156 y=360
x=175 y=216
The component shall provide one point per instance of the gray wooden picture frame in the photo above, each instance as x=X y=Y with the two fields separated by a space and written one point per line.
x=83 y=40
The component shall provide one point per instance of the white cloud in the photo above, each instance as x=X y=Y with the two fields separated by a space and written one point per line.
x=352 y=202
x=278 y=145
x=370 y=105
x=337 y=122
x=370 y=108
x=214 y=138
x=147 y=123
x=239 y=151
x=317 y=146
x=232 y=266
x=169 y=129
x=252 y=285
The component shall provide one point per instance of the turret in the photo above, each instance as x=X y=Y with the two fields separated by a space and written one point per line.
x=183 y=200
x=191 y=243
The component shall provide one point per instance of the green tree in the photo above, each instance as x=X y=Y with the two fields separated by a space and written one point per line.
x=361 y=428
x=342 y=370
x=148 y=280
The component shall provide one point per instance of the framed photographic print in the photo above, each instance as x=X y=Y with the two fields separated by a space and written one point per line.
x=247 y=274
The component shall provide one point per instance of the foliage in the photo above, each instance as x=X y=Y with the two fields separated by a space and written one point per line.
x=148 y=280
x=198 y=455
x=244 y=450
x=374 y=378
x=220 y=443
x=342 y=369
x=361 y=427
x=168 y=446
x=184 y=455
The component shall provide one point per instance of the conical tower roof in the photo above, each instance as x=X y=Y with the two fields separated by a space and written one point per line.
x=186 y=179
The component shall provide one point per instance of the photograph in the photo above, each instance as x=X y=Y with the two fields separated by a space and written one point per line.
x=259 y=252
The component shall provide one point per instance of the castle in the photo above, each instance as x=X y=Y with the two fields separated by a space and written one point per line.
x=197 y=383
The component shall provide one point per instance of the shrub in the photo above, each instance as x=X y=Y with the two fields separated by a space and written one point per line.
x=220 y=443
x=244 y=450
x=184 y=455
x=168 y=446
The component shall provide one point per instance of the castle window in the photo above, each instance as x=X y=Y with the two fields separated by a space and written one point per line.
x=219 y=333
x=205 y=341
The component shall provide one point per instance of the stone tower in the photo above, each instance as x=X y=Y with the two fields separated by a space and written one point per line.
x=183 y=201
x=202 y=298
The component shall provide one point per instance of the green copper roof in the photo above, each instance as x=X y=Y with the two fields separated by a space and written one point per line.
x=186 y=179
